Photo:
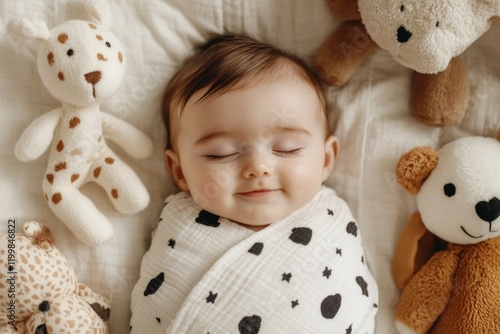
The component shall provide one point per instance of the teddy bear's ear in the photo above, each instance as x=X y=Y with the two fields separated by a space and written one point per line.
x=27 y=30
x=415 y=166
x=40 y=234
x=99 y=12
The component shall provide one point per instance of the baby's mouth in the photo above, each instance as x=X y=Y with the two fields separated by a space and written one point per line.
x=257 y=192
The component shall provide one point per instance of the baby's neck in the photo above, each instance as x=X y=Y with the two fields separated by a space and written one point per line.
x=253 y=227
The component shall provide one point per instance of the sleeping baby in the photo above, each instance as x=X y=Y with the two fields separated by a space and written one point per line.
x=253 y=243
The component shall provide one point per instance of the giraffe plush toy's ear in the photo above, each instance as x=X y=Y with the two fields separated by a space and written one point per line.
x=40 y=234
x=99 y=12
x=27 y=30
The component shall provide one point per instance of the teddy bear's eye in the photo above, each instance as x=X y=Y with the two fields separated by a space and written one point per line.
x=437 y=24
x=449 y=189
x=108 y=44
x=402 y=8
x=70 y=52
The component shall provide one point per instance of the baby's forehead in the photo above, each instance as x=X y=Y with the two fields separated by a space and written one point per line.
x=212 y=91
x=277 y=102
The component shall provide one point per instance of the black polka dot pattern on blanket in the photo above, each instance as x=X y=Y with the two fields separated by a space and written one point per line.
x=327 y=273
x=330 y=306
x=363 y=285
x=352 y=229
x=286 y=277
x=154 y=284
x=211 y=297
x=250 y=325
x=256 y=248
x=301 y=235
x=208 y=219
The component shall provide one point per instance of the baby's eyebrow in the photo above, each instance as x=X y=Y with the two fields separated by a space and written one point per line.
x=212 y=136
x=232 y=134
x=291 y=129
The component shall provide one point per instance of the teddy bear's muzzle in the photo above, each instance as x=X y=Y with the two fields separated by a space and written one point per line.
x=488 y=211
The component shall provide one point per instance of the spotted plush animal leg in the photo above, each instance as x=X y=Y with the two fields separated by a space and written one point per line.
x=122 y=185
x=8 y=329
x=80 y=214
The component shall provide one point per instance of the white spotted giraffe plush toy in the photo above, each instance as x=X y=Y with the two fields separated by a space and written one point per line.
x=81 y=63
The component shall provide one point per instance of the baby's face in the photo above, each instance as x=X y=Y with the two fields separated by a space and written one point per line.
x=256 y=153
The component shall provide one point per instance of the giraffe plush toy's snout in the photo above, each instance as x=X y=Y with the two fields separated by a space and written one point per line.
x=82 y=63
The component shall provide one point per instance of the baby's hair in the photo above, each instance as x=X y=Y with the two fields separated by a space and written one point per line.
x=223 y=62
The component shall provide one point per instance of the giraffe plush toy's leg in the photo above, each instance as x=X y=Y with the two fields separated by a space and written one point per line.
x=122 y=185
x=79 y=213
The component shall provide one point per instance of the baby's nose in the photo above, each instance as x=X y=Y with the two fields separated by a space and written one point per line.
x=257 y=165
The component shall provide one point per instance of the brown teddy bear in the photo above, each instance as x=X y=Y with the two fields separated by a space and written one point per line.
x=426 y=36
x=39 y=292
x=454 y=290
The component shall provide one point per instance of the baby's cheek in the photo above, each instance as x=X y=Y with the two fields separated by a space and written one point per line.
x=209 y=182
x=302 y=177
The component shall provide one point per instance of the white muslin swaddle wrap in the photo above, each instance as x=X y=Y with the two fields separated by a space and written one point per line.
x=303 y=274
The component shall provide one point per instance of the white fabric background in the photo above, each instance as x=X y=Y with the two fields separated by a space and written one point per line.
x=370 y=116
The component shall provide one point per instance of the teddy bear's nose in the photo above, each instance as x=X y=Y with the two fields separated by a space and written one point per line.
x=488 y=211
x=93 y=77
x=403 y=35
x=44 y=306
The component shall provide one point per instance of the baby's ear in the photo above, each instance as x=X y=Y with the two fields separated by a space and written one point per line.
x=173 y=165
x=99 y=12
x=27 y=30
x=415 y=166
x=331 y=153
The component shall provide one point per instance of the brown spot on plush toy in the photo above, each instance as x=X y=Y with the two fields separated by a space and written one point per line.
x=426 y=36
x=450 y=287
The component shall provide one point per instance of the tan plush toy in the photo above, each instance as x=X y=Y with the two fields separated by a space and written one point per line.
x=455 y=290
x=426 y=36
x=39 y=292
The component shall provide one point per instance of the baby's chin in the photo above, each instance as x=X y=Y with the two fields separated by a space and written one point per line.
x=254 y=228
x=261 y=223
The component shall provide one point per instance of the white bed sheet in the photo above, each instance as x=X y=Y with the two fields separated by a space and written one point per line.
x=370 y=115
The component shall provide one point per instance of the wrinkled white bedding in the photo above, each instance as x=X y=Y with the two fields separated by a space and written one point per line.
x=370 y=115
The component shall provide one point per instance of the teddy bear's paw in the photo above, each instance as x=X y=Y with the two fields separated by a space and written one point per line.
x=404 y=329
x=346 y=10
x=342 y=53
x=441 y=99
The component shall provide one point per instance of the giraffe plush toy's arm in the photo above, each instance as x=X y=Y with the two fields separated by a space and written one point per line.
x=37 y=137
x=132 y=140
